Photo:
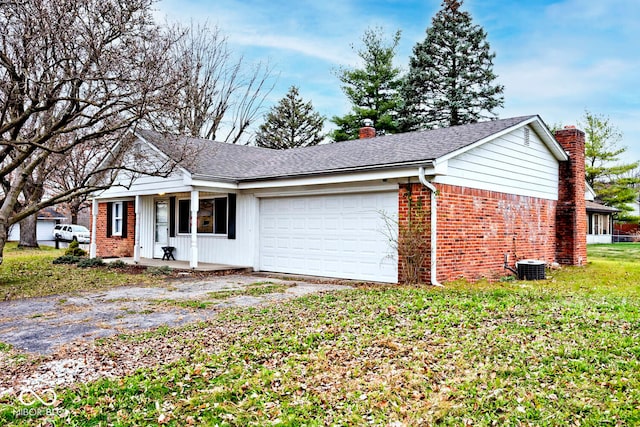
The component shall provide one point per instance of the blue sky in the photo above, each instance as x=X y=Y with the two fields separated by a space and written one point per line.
x=555 y=58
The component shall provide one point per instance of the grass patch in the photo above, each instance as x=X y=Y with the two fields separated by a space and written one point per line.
x=254 y=289
x=565 y=351
x=31 y=273
x=193 y=304
x=4 y=347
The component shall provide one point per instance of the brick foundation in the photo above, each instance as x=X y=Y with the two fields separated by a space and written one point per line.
x=477 y=227
x=115 y=246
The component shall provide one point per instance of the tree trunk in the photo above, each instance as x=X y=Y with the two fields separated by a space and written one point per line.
x=4 y=230
x=28 y=232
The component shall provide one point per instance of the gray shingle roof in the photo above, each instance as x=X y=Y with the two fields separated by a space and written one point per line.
x=239 y=162
x=599 y=207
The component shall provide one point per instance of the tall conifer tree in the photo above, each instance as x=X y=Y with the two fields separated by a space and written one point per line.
x=614 y=181
x=291 y=123
x=373 y=90
x=450 y=80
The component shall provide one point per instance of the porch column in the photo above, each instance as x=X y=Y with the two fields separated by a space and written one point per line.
x=136 y=243
x=93 y=248
x=195 y=203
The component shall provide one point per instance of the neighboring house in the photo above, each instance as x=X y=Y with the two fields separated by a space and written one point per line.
x=599 y=219
x=501 y=187
x=47 y=219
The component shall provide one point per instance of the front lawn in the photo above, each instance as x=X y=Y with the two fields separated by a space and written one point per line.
x=565 y=351
x=28 y=273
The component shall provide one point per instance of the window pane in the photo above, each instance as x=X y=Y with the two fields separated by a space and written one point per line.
x=205 y=216
x=117 y=219
x=212 y=216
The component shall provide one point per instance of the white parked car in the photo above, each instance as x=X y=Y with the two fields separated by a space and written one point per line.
x=70 y=232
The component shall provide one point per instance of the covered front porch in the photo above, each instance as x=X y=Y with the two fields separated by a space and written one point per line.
x=182 y=265
x=199 y=228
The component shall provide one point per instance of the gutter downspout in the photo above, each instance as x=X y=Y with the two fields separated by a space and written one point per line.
x=434 y=226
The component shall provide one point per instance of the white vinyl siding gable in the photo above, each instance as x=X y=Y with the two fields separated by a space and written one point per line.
x=507 y=164
x=146 y=185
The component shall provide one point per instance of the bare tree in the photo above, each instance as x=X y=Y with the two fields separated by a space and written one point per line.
x=221 y=96
x=75 y=76
x=79 y=162
x=34 y=189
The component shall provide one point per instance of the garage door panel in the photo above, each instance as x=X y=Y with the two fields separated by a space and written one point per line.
x=334 y=235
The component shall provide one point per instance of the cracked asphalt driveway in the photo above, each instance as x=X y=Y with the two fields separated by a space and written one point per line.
x=41 y=325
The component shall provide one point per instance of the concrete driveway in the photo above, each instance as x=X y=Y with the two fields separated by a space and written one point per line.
x=42 y=325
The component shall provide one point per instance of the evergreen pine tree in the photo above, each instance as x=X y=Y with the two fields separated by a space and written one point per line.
x=291 y=123
x=372 y=90
x=614 y=182
x=450 y=80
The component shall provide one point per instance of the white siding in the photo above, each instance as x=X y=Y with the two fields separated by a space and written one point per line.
x=602 y=238
x=211 y=249
x=146 y=185
x=507 y=165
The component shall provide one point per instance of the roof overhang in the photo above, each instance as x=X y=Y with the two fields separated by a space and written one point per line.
x=372 y=173
x=538 y=127
x=344 y=177
x=600 y=208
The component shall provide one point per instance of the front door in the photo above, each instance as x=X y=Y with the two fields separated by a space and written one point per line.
x=161 y=228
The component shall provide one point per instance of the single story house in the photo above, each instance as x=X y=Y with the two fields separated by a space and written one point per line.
x=489 y=189
x=47 y=219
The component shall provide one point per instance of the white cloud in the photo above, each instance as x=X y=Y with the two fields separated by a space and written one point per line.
x=315 y=48
x=542 y=79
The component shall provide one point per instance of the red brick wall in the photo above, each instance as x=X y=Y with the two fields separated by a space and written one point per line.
x=571 y=216
x=477 y=227
x=115 y=246
x=412 y=195
x=367 y=132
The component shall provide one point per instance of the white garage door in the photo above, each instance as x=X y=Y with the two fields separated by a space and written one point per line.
x=44 y=230
x=341 y=236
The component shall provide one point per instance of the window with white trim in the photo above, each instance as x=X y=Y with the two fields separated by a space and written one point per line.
x=212 y=216
x=117 y=218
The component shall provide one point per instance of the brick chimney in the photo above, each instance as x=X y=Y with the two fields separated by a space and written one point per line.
x=571 y=221
x=367 y=130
